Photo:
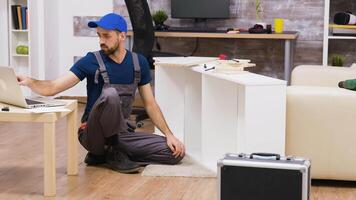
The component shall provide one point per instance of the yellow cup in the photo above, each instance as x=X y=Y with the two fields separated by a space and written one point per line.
x=278 y=25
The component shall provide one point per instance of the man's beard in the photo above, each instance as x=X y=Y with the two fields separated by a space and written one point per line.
x=110 y=51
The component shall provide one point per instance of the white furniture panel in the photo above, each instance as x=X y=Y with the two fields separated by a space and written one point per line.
x=192 y=111
x=263 y=112
x=219 y=119
x=215 y=113
x=170 y=97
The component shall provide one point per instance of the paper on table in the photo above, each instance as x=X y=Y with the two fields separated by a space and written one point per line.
x=182 y=61
x=48 y=109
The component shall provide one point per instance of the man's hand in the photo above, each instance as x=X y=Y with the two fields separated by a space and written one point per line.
x=175 y=145
x=24 y=80
x=49 y=87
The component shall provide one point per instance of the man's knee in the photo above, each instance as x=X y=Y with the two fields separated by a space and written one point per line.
x=170 y=159
x=174 y=161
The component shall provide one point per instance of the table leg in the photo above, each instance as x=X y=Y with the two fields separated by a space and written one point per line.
x=72 y=148
x=292 y=48
x=287 y=60
x=49 y=159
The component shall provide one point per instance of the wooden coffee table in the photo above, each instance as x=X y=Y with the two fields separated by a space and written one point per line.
x=16 y=114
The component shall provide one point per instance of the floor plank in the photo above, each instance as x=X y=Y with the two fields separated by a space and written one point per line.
x=21 y=174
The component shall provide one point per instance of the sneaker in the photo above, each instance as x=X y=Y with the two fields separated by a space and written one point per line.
x=92 y=159
x=119 y=161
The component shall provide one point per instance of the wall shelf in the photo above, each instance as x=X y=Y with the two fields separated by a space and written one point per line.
x=328 y=29
x=342 y=37
x=19 y=55
x=19 y=31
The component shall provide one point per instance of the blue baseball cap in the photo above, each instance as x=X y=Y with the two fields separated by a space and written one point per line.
x=110 y=21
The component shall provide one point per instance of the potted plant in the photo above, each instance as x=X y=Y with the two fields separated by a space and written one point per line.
x=259 y=9
x=159 y=17
x=337 y=60
x=260 y=26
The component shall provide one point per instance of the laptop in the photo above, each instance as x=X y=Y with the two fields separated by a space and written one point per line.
x=11 y=93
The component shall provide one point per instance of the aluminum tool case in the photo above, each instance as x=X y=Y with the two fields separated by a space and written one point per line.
x=262 y=176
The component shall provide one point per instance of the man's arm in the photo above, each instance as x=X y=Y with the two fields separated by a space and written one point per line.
x=49 y=87
x=154 y=112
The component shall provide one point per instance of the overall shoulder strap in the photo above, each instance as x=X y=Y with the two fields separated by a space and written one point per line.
x=102 y=68
x=136 y=67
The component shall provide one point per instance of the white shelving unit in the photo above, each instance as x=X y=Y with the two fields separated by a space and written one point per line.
x=21 y=63
x=32 y=64
x=327 y=33
x=212 y=121
x=4 y=41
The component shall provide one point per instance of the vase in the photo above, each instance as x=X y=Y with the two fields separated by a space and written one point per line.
x=160 y=26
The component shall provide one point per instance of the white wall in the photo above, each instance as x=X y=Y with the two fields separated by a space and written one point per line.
x=4 y=43
x=37 y=27
x=60 y=44
x=51 y=35
x=64 y=45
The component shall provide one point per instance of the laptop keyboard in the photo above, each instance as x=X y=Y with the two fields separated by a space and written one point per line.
x=32 y=102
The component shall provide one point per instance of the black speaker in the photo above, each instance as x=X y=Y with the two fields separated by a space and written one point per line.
x=344 y=18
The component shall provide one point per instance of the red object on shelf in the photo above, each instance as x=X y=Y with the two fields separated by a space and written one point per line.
x=222 y=57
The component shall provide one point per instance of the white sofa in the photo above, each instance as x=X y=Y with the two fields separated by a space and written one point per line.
x=321 y=121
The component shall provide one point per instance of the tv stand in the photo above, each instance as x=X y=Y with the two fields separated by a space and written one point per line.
x=200 y=20
x=289 y=38
x=193 y=29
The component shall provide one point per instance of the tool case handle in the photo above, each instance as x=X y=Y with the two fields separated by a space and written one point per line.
x=267 y=155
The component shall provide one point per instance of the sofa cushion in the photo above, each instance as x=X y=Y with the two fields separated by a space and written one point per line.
x=316 y=75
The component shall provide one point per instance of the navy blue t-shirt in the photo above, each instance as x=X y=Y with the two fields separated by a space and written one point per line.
x=122 y=73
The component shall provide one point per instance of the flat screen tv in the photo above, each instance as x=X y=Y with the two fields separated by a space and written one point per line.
x=200 y=9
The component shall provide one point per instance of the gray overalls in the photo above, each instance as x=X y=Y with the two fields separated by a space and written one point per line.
x=109 y=116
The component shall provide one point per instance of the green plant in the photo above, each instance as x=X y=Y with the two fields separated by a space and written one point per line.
x=338 y=60
x=159 y=16
x=259 y=9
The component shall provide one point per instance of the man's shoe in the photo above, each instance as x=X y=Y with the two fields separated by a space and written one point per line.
x=119 y=161
x=92 y=159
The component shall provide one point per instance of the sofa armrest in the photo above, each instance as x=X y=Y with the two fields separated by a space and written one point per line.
x=316 y=75
x=321 y=126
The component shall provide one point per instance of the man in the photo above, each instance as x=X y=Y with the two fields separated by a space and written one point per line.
x=113 y=75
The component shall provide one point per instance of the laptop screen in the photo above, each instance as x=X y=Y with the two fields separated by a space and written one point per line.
x=10 y=90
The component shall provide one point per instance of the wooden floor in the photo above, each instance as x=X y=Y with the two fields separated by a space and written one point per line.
x=21 y=174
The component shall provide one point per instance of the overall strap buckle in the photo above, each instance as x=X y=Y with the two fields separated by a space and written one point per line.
x=101 y=70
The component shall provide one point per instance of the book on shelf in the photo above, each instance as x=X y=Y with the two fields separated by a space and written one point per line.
x=26 y=18
x=19 y=15
x=15 y=16
x=23 y=19
x=342 y=26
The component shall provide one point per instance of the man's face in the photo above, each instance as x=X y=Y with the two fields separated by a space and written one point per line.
x=109 y=40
